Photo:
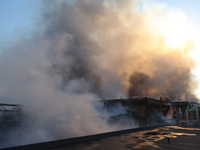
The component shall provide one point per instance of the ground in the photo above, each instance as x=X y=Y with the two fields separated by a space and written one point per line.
x=168 y=137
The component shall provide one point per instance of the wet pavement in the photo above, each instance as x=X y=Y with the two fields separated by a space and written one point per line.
x=168 y=137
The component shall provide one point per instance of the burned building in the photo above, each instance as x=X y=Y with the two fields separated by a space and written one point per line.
x=149 y=111
x=10 y=115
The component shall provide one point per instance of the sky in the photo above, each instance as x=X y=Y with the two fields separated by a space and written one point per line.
x=190 y=8
x=19 y=17
x=22 y=14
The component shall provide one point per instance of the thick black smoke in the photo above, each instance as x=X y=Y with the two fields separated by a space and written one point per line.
x=139 y=84
x=175 y=84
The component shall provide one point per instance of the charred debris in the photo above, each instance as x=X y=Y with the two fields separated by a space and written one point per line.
x=147 y=111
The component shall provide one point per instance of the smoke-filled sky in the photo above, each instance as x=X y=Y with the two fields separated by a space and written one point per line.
x=177 y=21
x=58 y=57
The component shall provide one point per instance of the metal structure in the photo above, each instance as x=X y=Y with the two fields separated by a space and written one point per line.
x=10 y=114
x=150 y=111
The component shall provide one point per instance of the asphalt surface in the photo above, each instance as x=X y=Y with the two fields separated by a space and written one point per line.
x=168 y=137
x=165 y=137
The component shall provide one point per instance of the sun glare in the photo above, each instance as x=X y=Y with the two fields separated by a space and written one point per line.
x=174 y=26
x=176 y=30
x=178 y=33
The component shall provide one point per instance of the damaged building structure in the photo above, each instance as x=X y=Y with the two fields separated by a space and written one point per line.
x=145 y=111
x=10 y=115
x=148 y=111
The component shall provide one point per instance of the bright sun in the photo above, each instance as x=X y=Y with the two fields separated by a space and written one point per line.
x=176 y=30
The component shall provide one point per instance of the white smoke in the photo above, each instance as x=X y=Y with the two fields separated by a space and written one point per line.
x=83 y=50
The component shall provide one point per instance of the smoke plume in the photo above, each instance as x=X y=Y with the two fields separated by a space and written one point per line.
x=83 y=50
